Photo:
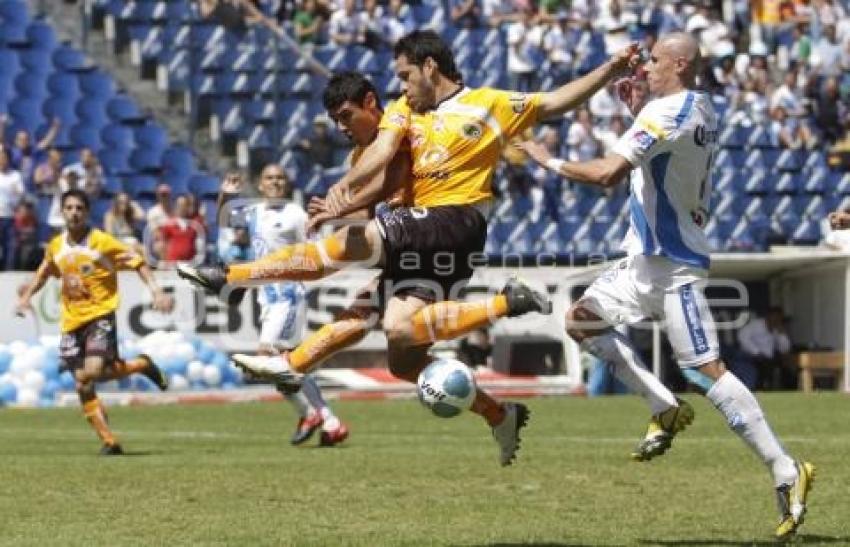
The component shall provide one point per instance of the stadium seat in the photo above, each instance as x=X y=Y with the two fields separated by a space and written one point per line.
x=204 y=185
x=141 y=187
x=40 y=35
x=96 y=84
x=69 y=59
x=807 y=233
x=759 y=182
x=788 y=183
x=114 y=162
x=789 y=160
x=118 y=136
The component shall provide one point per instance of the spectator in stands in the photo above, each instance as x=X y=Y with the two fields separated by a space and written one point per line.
x=69 y=179
x=767 y=15
x=11 y=192
x=346 y=26
x=558 y=44
x=788 y=132
x=466 y=13
x=755 y=67
x=239 y=247
x=372 y=17
x=610 y=134
x=123 y=218
x=547 y=192
x=581 y=139
x=788 y=96
x=801 y=48
x=235 y=15
x=616 y=26
x=553 y=10
x=24 y=155
x=828 y=56
x=231 y=217
x=183 y=239
x=750 y=105
x=604 y=104
x=318 y=147
x=497 y=12
x=765 y=342
x=48 y=172
x=89 y=172
x=726 y=79
x=307 y=22
x=28 y=253
x=831 y=111
x=398 y=21
x=162 y=209
x=525 y=51
x=196 y=210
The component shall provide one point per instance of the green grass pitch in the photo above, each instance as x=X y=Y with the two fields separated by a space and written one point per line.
x=225 y=475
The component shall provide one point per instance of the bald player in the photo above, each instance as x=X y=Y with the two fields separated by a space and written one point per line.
x=668 y=153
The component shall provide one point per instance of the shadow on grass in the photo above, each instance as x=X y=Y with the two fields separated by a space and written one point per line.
x=799 y=539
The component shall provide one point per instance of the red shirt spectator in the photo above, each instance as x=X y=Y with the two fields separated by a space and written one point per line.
x=183 y=238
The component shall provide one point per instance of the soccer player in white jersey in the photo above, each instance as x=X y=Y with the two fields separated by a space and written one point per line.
x=672 y=142
x=272 y=223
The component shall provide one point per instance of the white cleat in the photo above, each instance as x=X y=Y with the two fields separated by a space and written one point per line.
x=271 y=368
x=507 y=432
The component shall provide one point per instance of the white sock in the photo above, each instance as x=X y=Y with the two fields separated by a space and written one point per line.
x=331 y=422
x=301 y=404
x=745 y=417
x=612 y=347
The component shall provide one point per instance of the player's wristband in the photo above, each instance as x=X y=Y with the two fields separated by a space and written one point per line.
x=554 y=164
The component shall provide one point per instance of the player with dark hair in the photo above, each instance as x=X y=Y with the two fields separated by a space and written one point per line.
x=455 y=135
x=87 y=260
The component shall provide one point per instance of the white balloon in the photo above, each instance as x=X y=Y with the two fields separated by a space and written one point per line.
x=178 y=382
x=49 y=340
x=27 y=397
x=184 y=351
x=20 y=364
x=195 y=371
x=34 y=379
x=18 y=347
x=212 y=375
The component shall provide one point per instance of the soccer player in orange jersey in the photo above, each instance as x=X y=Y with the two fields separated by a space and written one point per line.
x=87 y=261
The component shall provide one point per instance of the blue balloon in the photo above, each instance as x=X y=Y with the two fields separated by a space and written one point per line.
x=206 y=354
x=50 y=368
x=125 y=383
x=141 y=383
x=52 y=352
x=8 y=393
x=221 y=360
x=198 y=385
x=197 y=344
x=66 y=381
x=50 y=388
x=5 y=360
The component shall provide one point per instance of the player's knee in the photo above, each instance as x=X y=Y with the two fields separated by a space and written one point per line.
x=402 y=368
x=399 y=333
x=578 y=320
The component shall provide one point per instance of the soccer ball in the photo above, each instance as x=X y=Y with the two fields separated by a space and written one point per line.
x=446 y=387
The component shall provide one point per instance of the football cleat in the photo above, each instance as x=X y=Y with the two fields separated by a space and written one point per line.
x=111 y=450
x=662 y=429
x=306 y=427
x=211 y=278
x=507 y=432
x=791 y=500
x=154 y=373
x=270 y=368
x=523 y=299
x=334 y=436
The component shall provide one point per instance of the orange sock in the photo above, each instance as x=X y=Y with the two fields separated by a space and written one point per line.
x=325 y=342
x=448 y=320
x=299 y=262
x=488 y=408
x=122 y=369
x=96 y=415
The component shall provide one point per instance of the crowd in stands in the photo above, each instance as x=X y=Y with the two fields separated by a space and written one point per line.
x=779 y=65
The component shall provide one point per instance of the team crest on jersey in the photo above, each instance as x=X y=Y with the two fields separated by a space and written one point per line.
x=86 y=269
x=434 y=156
x=518 y=103
x=644 y=139
x=472 y=130
x=397 y=118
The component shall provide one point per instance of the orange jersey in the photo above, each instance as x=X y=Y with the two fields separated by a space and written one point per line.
x=456 y=147
x=402 y=196
x=89 y=273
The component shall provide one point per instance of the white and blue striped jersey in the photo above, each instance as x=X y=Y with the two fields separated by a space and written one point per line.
x=673 y=141
x=272 y=226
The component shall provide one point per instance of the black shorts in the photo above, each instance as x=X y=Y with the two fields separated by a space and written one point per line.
x=97 y=338
x=431 y=252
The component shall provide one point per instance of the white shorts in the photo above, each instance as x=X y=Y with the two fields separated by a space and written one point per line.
x=640 y=287
x=282 y=323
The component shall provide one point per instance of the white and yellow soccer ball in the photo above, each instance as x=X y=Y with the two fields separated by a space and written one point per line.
x=446 y=387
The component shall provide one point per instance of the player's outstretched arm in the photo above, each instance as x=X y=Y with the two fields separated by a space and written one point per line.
x=161 y=301
x=606 y=172
x=374 y=161
x=45 y=270
x=571 y=95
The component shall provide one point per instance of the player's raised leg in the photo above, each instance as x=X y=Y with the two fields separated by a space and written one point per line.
x=93 y=409
x=596 y=335
x=692 y=334
x=142 y=364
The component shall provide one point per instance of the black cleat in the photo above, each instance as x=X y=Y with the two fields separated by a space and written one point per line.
x=212 y=278
x=523 y=299
x=507 y=434
x=154 y=373
x=111 y=450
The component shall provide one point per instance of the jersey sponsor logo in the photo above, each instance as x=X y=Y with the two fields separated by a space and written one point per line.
x=417 y=136
x=86 y=269
x=703 y=136
x=644 y=139
x=397 y=118
x=518 y=103
x=433 y=156
x=472 y=130
x=692 y=318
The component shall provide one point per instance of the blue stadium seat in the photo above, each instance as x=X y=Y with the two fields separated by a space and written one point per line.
x=64 y=85
x=734 y=136
x=204 y=185
x=839 y=181
x=33 y=86
x=96 y=84
x=122 y=108
x=14 y=19
x=141 y=187
x=816 y=208
x=815 y=159
x=99 y=207
x=758 y=183
x=807 y=233
x=118 y=136
x=25 y=114
x=761 y=138
x=115 y=162
x=92 y=112
x=146 y=159
x=68 y=59
x=40 y=35
x=789 y=160
x=151 y=136
x=816 y=182
x=788 y=183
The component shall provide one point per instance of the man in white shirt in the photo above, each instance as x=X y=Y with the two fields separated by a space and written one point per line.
x=11 y=192
x=672 y=141
x=525 y=41
x=346 y=26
